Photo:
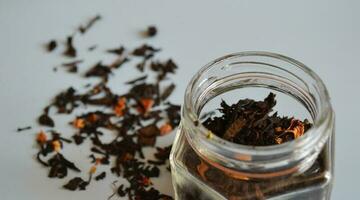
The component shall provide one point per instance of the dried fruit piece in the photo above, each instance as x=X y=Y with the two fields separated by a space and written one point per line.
x=165 y=129
x=41 y=137
x=79 y=123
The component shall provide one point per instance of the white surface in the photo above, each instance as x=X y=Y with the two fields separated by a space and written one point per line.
x=322 y=34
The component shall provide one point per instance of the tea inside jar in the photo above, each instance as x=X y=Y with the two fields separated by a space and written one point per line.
x=250 y=122
x=254 y=123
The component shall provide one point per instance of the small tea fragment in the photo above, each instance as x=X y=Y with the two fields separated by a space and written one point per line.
x=151 y=31
x=119 y=62
x=163 y=68
x=92 y=48
x=51 y=46
x=78 y=139
x=147 y=135
x=167 y=92
x=66 y=101
x=72 y=66
x=163 y=153
x=120 y=191
x=76 y=183
x=70 y=49
x=59 y=166
x=173 y=113
x=144 y=50
x=118 y=51
x=139 y=79
x=45 y=120
x=101 y=176
x=23 y=128
x=92 y=21
x=99 y=70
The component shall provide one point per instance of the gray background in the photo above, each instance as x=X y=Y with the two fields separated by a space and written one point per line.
x=322 y=34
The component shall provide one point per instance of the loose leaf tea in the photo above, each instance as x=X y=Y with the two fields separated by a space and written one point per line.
x=51 y=46
x=92 y=48
x=249 y=122
x=45 y=120
x=141 y=78
x=145 y=50
x=76 y=183
x=118 y=51
x=167 y=92
x=100 y=176
x=92 y=21
x=151 y=31
x=70 y=49
x=99 y=70
x=72 y=66
x=136 y=117
x=23 y=128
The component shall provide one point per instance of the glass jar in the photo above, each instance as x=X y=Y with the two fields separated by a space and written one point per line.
x=206 y=167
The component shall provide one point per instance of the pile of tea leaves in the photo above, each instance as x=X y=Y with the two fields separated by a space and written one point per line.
x=253 y=123
x=250 y=122
x=135 y=119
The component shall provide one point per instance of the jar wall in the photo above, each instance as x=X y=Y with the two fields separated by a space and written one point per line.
x=191 y=184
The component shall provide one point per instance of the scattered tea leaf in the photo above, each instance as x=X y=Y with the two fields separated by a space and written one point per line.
x=118 y=51
x=51 y=46
x=101 y=176
x=23 y=128
x=70 y=49
x=76 y=183
x=45 y=120
x=167 y=92
x=151 y=31
x=92 y=21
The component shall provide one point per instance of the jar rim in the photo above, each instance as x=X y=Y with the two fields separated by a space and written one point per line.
x=322 y=120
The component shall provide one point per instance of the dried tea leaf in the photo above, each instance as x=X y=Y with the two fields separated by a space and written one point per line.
x=92 y=48
x=151 y=31
x=144 y=50
x=92 y=21
x=99 y=70
x=51 y=46
x=76 y=183
x=163 y=153
x=45 y=120
x=141 y=78
x=147 y=135
x=118 y=51
x=70 y=49
x=167 y=92
x=101 y=176
x=23 y=128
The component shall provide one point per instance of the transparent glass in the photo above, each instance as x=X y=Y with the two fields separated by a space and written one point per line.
x=204 y=168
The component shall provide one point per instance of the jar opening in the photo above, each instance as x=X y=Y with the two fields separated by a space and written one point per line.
x=257 y=70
